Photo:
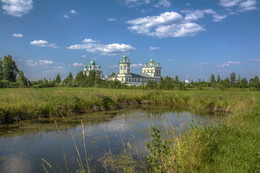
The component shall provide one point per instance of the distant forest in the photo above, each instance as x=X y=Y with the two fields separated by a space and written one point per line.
x=12 y=77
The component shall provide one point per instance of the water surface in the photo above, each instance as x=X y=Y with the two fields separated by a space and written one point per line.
x=21 y=149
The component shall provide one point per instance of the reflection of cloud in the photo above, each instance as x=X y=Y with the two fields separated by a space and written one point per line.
x=17 y=164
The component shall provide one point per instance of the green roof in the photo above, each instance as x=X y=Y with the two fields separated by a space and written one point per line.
x=85 y=66
x=92 y=62
x=152 y=60
x=98 y=66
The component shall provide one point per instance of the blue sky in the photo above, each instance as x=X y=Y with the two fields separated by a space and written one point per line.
x=194 y=38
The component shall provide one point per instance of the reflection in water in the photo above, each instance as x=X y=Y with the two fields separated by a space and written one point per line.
x=43 y=141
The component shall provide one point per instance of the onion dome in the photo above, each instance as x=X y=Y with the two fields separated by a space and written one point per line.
x=92 y=62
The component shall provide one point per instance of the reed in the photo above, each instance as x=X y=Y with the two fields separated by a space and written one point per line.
x=25 y=104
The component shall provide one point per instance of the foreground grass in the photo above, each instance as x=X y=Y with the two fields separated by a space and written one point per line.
x=26 y=104
x=233 y=146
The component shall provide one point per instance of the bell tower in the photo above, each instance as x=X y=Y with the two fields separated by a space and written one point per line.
x=124 y=65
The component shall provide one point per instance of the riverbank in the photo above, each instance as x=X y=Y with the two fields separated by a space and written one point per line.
x=26 y=104
x=234 y=146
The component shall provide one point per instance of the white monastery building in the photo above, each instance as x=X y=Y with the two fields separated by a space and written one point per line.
x=150 y=72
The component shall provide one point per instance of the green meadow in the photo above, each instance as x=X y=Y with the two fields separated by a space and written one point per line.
x=232 y=146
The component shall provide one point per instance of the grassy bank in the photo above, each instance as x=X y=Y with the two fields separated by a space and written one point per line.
x=25 y=104
x=233 y=146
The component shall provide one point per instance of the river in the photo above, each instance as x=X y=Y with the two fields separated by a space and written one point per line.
x=26 y=146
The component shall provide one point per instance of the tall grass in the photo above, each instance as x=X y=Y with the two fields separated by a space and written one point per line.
x=233 y=146
x=24 y=104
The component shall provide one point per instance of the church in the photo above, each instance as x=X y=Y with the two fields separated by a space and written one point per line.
x=150 y=72
x=92 y=67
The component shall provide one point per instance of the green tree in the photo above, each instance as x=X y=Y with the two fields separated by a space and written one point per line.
x=212 y=79
x=226 y=82
x=58 y=80
x=68 y=80
x=113 y=74
x=243 y=83
x=10 y=69
x=1 y=69
x=218 y=79
x=232 y=78
x=254 y=82
x=21 y=80
x=176 y=78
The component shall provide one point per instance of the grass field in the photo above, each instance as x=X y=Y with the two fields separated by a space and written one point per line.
x=233 y=146
x=24 y=104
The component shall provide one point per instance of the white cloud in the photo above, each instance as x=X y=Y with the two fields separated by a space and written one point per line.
x=113 y=66
x=229 y=3
x=247 y=5
x=202 y=63
x=31 y=62
x=136 y=65
x=111 y=19
x=228 y=64
x=43 y=43
x=45 y=62
x=109 y=49
x=76 y=64
x=154 y=48
x=163 y=3
x=243 y=5
x=192 y=15
x=17 y=8
x=17 y=35
x=83 y=56
x=73 y=12
x=134 y=3
x=256 y=60
x=59 y=67
x=66 y=16
x=88 y=40
x=168 y=24
x=170 y=60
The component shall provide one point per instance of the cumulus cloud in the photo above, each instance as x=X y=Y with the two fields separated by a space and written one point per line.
x=192 y=15
x=76 y=64
x=43 y=43
x=247 y=5
x=17 y=35
x=256 y=60
x=111 y=19
x=134 y=3
x=83 y=56
x=31 y=62
x=59 y=67
x=154 y=48
x=242 y=5
x=168 y=24
x=103 y=49
x=66 y=16
x=136 y=65
x=113 y=66
x=45 y=62
x=17 y=8
x=228 y=64
x=202 y=63
x=73 y=12
x=163 y=3
x=229 y=3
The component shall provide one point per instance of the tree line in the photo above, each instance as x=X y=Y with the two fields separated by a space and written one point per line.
x=12 y=77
